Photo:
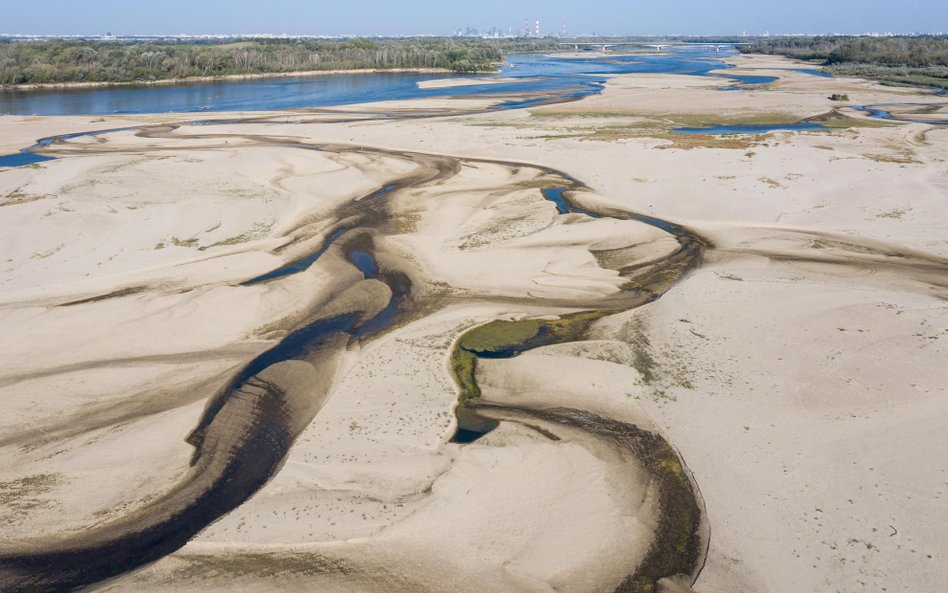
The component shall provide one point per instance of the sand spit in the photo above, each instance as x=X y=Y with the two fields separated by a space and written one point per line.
x=443 y=83
x=798 y=335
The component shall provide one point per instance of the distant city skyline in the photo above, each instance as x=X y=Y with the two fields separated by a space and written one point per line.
x=375 y=17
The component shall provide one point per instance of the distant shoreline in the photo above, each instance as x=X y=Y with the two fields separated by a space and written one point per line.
x=171 y=81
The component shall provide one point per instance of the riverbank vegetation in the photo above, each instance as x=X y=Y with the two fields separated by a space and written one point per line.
x=921 y=60
x=136 y=61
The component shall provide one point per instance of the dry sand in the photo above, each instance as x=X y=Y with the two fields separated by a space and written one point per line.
x=799 y=371
x=442 y=83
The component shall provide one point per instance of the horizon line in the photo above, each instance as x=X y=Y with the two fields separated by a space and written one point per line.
x=480 y=36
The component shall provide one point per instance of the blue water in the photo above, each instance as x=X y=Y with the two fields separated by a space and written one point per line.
x=28 y=157
x=383 y=319
x=534 y=73
x=365 y=262
x=750 y=129
x=22 y=158
x=297 y=265
x=555 y=195
x=362 y=260
x=549 y=76
x=876 y=112
x=749 y=79
x=757 y=80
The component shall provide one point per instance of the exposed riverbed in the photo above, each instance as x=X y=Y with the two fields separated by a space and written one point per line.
x=554 y=319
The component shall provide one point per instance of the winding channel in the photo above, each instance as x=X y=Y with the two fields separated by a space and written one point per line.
x=247 y=429
x=249 y=426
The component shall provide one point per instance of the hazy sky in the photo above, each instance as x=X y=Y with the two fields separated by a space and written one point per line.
x=393 y=17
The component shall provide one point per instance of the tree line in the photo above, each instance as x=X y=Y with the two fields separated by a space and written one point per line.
x=921 y=59
x=24 y=62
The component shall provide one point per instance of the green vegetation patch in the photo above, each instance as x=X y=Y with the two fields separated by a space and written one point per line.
x=692 y=141
x=642 y=361
x=553 y=114
x=192 y=242
x=17 y=197
x=697 y=120
x=903 y=157
x=499 y=335
x=909 y=60
x=677 y=547
x=61 y=61
x=835 y=119
x=236 y=240
x=505 y=339
x=26 y=494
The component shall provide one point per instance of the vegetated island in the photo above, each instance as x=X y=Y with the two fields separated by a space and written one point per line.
x=115 y=62
x=913 y=60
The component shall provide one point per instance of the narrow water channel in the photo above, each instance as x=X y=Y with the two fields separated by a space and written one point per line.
x=240 y=442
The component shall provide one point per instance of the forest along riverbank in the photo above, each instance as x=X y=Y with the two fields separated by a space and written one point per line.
x=521 y=74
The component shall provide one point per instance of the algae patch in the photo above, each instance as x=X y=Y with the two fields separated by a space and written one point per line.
x=506 y=339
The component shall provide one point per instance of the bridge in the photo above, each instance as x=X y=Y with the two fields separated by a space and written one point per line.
x=658 y=46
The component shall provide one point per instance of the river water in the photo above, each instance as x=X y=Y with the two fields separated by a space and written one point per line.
x=531 y=73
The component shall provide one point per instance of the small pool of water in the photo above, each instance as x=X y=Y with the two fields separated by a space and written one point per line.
x=21 y=159
x=876 y=112
x=555 y=195
x=463 y=436
x=365 y=262
x=298 y=265
x=752 y=79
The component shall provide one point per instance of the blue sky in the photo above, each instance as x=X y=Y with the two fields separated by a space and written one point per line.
x=394 y=17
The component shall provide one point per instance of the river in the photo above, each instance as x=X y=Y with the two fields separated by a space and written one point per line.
x=523 y=73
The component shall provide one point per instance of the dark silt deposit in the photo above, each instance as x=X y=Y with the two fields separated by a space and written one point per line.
x=298 y=265
x=240 y=444
x=506 y=339
x=681 y=539
x=243 y=446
